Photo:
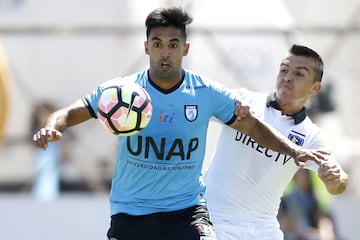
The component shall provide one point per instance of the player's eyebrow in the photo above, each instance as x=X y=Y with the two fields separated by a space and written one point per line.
x=305 y=68
x=159 y=39
x=300 y=67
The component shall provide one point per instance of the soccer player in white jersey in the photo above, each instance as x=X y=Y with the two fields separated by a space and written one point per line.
x=157 y=187
x=245 y=180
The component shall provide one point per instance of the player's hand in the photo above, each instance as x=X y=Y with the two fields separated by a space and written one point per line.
x=329 y=172
x=44 y=136
x=303 y=155
x=241 y=110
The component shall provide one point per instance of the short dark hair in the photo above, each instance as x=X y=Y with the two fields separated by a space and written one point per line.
x=299 y=50
x=165 y=17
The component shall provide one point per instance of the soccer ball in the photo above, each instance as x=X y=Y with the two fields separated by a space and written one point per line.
x=124 y=109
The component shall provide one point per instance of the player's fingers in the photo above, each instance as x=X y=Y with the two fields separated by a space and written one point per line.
x=329 y=172
x=302 y=158
x=327 y=166
x=39 y=139
x=35 y=140
x=306 y=155
x=52 y=134
x=237 y=108
x=320 y=156
x=323 y=152
x=45 y=135
x=241 y=110
x=332 y=177
x=300 y=164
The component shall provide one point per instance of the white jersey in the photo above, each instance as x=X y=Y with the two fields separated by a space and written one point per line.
x=245 y=181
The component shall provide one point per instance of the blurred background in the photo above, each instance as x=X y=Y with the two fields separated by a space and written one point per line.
x=53 y=52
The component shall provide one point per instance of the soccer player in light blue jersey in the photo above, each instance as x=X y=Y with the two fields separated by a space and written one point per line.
x=157 y=188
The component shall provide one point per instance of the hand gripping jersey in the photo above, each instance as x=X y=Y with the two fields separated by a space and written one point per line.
x=245 y=181
x=159 y=169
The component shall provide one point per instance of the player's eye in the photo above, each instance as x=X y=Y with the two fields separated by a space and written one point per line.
x=173 y=45
x=299 y=74
x=283 y=70
x=156 y=44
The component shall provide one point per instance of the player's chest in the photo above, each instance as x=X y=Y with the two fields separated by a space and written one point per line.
x=184 y=109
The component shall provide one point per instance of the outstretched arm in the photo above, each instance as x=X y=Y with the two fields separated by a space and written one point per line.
x=330 y=172
x=60 y=120
x=269 y=137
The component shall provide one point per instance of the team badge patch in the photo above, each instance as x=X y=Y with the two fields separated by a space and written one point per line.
x=191 y=112
x=296 y=139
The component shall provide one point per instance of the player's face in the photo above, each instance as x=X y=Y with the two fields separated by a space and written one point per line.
x=295 y=81
x=166 y=47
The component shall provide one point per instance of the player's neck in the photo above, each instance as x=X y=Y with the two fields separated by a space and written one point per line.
x=165 y=83
x=289 y=108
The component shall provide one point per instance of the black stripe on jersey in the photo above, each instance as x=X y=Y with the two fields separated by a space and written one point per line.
x=231 y=120
x=298 y=133
x=85 y=101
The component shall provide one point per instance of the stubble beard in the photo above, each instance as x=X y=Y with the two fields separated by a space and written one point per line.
x=167 y=76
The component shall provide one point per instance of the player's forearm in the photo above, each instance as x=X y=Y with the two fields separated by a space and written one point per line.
x=69 y=116
x=58 y=120
x=269 y=137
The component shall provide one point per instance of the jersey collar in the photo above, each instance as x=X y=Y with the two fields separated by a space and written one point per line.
x=298 y=117
x=168 y=90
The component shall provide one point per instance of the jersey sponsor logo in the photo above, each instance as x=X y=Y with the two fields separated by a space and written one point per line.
x=147 y=146
x=296 y=139
x=161 y=167
x=191 y=112
x=196 y=87
x=166 y=118
x=248 y=141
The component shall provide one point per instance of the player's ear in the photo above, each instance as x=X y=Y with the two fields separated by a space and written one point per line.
x=316 y=87
x=186 y=49
x=146 y=47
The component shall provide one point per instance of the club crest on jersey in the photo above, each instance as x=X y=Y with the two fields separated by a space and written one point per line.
x=296 y=139
x=191 y=112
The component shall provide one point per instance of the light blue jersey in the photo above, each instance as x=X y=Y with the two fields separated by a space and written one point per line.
x=159 y=169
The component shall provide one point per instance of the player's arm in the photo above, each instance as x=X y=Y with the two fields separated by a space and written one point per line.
x=333 y=176
x=58 y=121
x=269 y=137
x=264 y=134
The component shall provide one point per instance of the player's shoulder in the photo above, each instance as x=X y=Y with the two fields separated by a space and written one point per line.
x=243 y=92
x=250 y=97
x=200 y=81
x=198 y=77
x=315 y=135
x=311 y=126
x=191 y=76
x=308 y=127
